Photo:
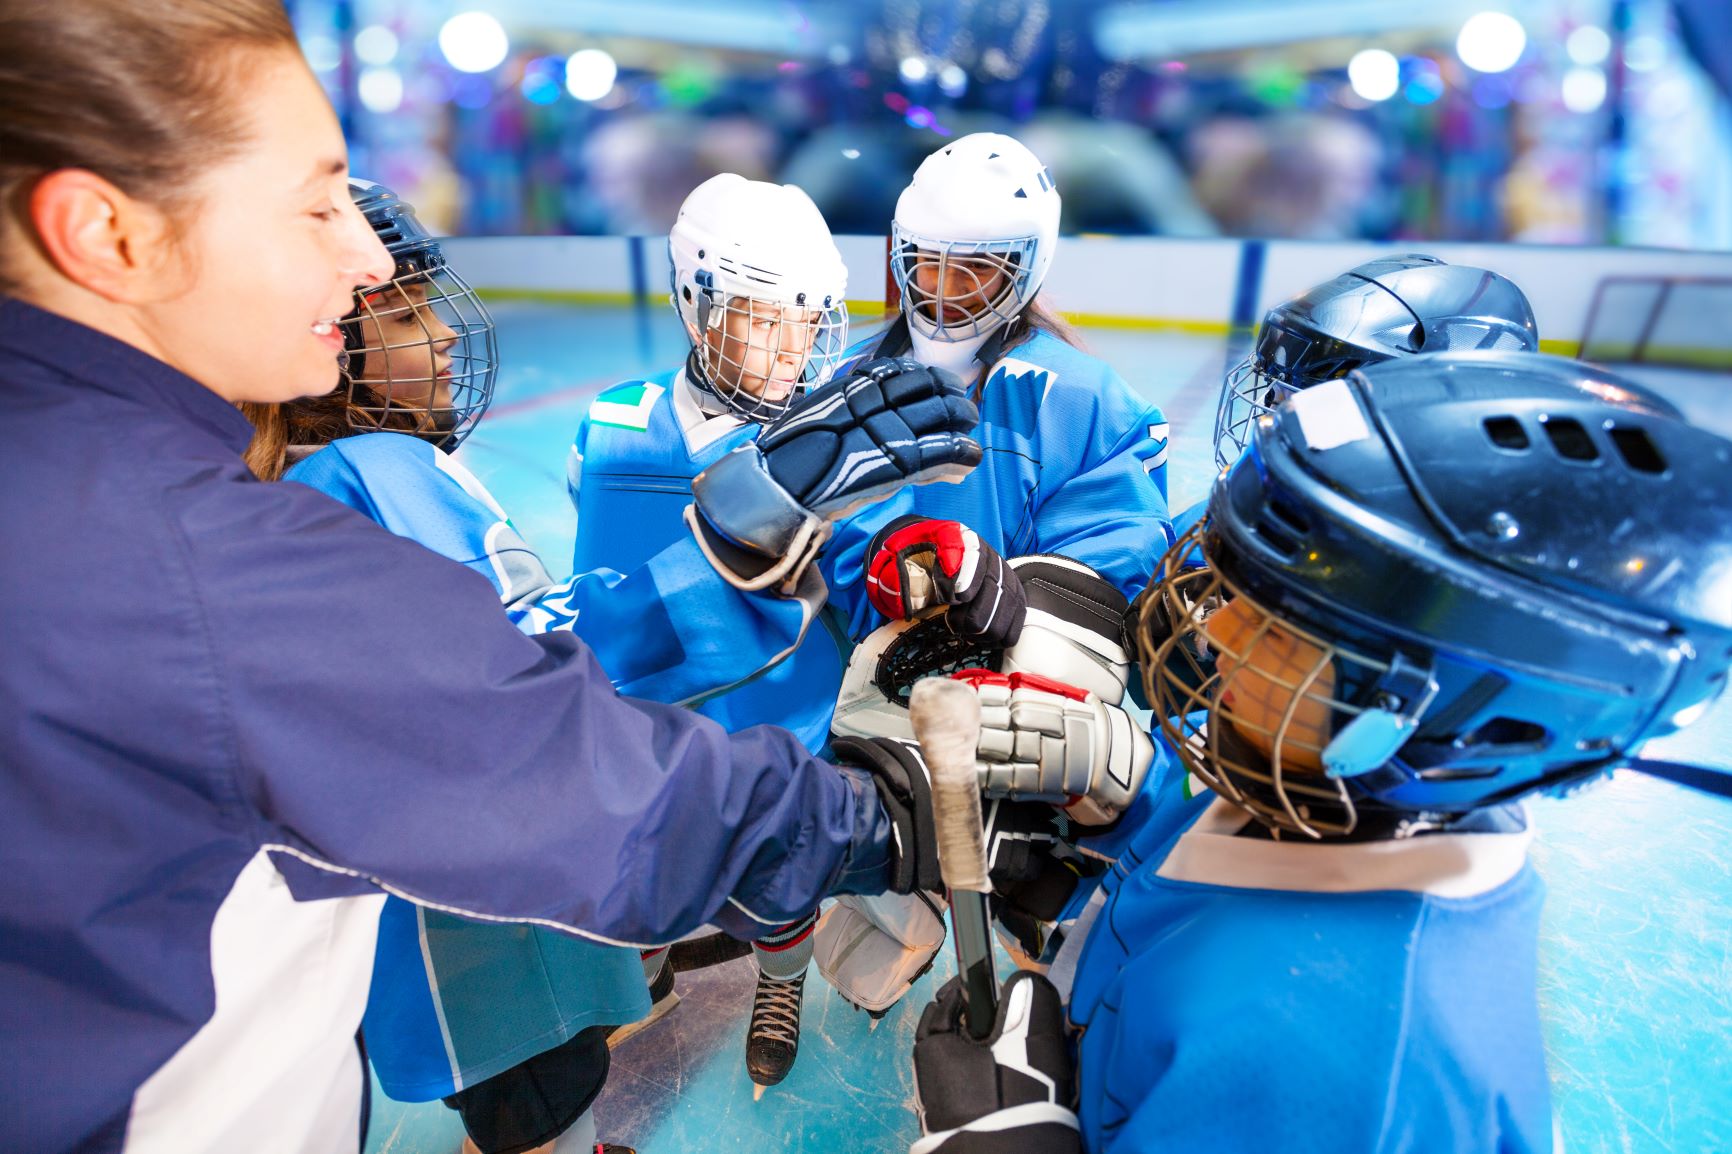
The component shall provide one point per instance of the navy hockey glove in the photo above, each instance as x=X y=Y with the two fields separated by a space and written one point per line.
x=916 y=563
x=1011 y=1092
x=762 y=513
x=899 y=774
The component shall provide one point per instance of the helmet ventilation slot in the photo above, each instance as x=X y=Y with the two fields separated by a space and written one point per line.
x=1281 y=526
x=1507 y=433
x=1572 y=442
x=1638 y=451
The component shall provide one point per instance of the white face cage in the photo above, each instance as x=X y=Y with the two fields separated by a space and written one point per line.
x=1247 y=394
x=421 y=357
x=1248 y=700
x=758 y=356
x=954 y=290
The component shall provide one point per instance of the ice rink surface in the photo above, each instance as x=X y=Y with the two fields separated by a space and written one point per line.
x=1636 y=951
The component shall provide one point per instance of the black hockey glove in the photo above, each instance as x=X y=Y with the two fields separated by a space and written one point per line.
x=762 y=512
x=1034 y=870
x=1008 y=1094
x=915 y=563
x=899 y=773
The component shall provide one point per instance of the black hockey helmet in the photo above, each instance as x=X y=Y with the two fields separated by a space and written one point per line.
x=1390 y=307
x=420 y=355
x=1444 y=583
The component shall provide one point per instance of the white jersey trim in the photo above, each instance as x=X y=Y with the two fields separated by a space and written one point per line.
x=1445 y=865
x=275 y=1068
x=699 y=428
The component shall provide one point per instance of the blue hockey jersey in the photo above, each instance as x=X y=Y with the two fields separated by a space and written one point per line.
x=1238 y=994
x=1076 y=464
x=630 y=476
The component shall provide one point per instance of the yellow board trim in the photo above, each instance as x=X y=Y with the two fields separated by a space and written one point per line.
x=557 y=296
x=1694 y=358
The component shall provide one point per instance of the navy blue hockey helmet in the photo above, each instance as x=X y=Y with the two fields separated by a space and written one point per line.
x=1444 y=583
x=420 y=355
x=1382 y=309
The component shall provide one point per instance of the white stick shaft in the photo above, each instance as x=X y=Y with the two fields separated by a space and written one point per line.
x=945 y=715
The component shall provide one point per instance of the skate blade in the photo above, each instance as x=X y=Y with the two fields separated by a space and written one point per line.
x=758 y=1091
x=872 y=1024
x=630 y=1030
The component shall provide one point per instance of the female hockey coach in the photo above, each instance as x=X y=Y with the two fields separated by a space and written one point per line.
x=202 y=797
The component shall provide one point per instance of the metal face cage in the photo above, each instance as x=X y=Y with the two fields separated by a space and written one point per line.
x=979 y=309
x=1247 y=394
x=421 y=357
x=758 y=356
x=1250 y=701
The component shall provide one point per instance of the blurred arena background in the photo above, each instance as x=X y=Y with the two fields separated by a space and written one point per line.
x=1534 y=121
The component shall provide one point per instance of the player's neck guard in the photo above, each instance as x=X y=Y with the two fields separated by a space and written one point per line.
x=971 y=358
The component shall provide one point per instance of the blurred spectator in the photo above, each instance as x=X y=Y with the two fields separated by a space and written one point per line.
x=641 y=167
x=1291 y=175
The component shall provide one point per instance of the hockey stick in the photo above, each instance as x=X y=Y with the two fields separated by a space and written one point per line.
x=945 y=715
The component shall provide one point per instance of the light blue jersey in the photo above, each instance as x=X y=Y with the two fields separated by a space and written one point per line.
x=453 y=1001
x=1076 y=464
x=630 y=477
x=1239 y=994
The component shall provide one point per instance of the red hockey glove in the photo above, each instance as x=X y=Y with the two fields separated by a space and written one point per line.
x=916 y=563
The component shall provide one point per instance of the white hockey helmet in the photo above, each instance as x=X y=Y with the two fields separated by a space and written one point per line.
x=981 y=203
x=744 y=253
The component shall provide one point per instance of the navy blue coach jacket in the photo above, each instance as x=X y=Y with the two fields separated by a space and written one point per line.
x=219 y=696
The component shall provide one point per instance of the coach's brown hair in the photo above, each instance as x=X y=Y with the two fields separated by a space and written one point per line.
x=135 y=91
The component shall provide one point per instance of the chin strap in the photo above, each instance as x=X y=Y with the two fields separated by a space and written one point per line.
x=898 y=341
x=1716 y=782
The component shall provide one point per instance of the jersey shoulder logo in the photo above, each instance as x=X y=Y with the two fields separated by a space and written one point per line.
x=1010 y=371
x=1159 y=439
x=626 y=406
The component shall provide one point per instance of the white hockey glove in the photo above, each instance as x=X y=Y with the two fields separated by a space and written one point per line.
x=1008 y=1094
x=1043 y=740
x=763 y=512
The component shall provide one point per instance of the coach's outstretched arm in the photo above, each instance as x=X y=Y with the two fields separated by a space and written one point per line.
x=627 y=820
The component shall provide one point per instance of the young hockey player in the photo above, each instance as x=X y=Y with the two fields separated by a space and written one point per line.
x=758 y=284
x=1424 y=600
x=1075 y=461
x=506 y=1023
x=1395 y=306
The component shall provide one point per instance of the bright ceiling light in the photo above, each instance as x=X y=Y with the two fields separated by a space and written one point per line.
x=474 y=42
x=1491 y=42
x=1589 y=44
x=590 y=73
x=1374 y=74
x=1584 y=89
x=380 y=89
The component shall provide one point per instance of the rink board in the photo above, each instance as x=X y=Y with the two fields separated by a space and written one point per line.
x=1636 y=956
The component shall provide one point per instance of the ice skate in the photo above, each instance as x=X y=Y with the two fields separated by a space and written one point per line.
x=662 y=1000
x=773 y=1041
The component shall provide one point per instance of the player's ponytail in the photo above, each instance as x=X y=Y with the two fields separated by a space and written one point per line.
x=135 y=93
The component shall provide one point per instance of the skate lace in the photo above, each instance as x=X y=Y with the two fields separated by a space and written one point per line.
x=776 y=1009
